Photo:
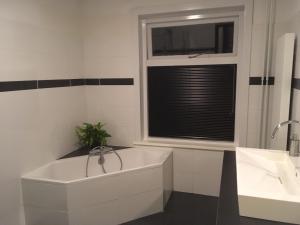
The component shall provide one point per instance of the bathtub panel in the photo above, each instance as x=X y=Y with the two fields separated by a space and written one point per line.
x=92 y=191
x=102 y=214
x=168 y=178
x=44 y=216
x=138 y=181
x=140 y=205
x=43 y=194
x=130 y=194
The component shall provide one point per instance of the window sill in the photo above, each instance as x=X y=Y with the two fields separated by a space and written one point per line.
x=188 y=144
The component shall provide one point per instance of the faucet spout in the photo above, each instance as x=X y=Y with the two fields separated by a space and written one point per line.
x=293 y=145
x=288 y=122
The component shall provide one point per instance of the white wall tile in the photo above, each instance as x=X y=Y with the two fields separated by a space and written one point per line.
x=296 y=110
x=287 y=19
x=257 y=68
x=38 y=40
x=61 y=110
x=260 y=11
x=208 y=172
x=198 y=171
x=183 y=181
x=254 y=115
x=258 y=49
x=114 y=106
x=184 y=160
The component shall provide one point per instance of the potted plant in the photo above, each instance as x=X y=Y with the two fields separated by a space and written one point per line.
x=92 y=135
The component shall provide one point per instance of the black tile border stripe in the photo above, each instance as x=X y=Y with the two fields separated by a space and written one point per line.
x=41 y=84
x=92 y=81
x=77 y=82
x=255 y=80
x=271 y=80
x=18 y=85
x=296 y=83
x=261 y=81
x=54 y=83
x=116 y=81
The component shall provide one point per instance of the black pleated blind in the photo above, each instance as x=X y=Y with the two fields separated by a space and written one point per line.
x=195 y=102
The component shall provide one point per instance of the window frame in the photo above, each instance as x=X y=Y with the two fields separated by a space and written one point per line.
x=205 y=59
x=205 y=20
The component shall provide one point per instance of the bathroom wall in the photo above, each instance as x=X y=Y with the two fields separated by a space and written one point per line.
x=39 y=40
x=116 y=56
x=197 y=171
x=257 y=70
x=111 y=51
x=287 y=21
x=66 y=39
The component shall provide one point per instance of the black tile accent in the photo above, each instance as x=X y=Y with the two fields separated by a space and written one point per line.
x=183 y=209
x=53 y=83
x=18 y=85
x=296 y=83
x=116 y=81
x=39 y=84
x=77 y=82
x=261 y=81
x=255 y=80
x=271 y=80
x=92 y=81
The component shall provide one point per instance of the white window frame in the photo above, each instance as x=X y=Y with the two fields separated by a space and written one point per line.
x=205 y=59
x=186 y=22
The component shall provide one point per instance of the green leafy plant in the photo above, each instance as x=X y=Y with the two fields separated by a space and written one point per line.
x=92 y=135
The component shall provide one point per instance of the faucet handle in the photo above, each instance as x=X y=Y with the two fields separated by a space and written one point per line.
x=106 y=149
x=95 y=151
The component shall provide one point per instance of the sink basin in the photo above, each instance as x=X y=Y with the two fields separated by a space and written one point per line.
x=268 y=184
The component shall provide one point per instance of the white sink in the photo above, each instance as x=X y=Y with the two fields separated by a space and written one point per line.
x=268 y=184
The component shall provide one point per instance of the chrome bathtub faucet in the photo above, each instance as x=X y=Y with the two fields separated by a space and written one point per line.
x=294 y=141
x=97 y=150
x=101 y=151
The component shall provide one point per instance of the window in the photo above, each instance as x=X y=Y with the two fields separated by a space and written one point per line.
x=211 y=38
x=196 y=102
x=190 y=66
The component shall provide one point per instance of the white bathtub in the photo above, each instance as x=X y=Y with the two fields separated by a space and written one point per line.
x=60 y=194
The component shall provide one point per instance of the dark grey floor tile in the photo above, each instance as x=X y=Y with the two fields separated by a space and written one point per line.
x=184 y=209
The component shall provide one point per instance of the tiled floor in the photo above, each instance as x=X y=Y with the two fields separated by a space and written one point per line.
x=184 y=209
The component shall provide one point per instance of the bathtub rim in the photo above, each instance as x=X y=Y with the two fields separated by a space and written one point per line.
x=29 y=176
